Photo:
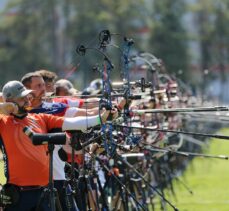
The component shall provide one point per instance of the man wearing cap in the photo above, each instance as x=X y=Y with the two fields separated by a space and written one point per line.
x=26 y=165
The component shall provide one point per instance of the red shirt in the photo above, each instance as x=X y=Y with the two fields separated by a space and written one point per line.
x=70 y=101
x=26 y=164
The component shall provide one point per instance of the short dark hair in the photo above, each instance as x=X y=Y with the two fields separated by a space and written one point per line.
x=27 y=78
x=47 y=75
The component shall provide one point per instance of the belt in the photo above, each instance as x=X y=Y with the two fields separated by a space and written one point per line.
x=28 y=188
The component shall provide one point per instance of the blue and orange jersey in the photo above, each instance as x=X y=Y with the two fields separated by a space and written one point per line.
x=26 y=164
x=57 y=109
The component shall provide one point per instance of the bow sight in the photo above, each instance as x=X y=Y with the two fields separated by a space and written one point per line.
x=151 y=123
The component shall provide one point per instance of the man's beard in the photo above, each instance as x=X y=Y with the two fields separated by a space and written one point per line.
x=22 y=111
x=41 y=95
x=37 y=99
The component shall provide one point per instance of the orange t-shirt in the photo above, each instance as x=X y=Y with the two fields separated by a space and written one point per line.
x=26 y=164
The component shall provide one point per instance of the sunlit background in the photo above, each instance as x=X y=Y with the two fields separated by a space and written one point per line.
x=190 y=36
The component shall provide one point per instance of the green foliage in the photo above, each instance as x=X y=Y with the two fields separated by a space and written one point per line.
x=91 y=17
x=212 y=20
x=27 y=44
x=169 y=40
x=44 y=34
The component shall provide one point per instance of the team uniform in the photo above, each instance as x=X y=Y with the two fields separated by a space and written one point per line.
x=26 y=165
x=57 y=109
x=70 y=101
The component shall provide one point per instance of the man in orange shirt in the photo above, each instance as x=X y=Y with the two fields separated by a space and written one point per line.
x=26 y=165
x=36 y=82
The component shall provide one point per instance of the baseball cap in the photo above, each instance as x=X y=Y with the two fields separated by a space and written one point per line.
x=14 y=89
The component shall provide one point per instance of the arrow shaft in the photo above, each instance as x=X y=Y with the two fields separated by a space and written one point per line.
x=200 y=109
x=176 y=131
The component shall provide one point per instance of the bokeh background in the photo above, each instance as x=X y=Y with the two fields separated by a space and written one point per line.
x=190 y=36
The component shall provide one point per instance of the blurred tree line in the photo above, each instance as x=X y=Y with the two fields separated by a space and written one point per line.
x=44 y=34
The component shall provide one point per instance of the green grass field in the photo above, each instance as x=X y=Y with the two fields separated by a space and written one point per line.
x=208 y=179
